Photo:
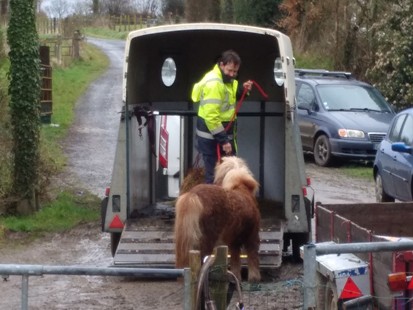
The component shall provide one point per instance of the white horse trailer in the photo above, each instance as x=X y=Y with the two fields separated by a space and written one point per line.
x=157 y=144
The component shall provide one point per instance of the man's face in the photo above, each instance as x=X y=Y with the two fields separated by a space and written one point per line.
x=230 y=71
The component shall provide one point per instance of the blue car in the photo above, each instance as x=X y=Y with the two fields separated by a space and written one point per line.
x=339 y=116
x=393 y=166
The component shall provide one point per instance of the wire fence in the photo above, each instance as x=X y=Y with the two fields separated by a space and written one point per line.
x=66 y=26
x=281 y=295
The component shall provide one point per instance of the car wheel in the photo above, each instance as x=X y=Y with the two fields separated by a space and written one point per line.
x=381 y=195
x=322 y=151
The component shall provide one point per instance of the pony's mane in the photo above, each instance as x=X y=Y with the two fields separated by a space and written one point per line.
x=237 y=178
x=227 y=164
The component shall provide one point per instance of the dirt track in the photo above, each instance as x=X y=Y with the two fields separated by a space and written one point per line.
x=90 y=148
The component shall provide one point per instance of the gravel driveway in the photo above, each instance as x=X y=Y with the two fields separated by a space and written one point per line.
x=90 y=146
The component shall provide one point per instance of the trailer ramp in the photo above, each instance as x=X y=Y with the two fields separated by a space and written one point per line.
x=149 y=243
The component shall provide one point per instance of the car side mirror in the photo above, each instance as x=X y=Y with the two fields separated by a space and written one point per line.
x=401 y=147
x=309 y=107
x=314 y=106
x=302 y=104
x=394 y=108
x=303 y=107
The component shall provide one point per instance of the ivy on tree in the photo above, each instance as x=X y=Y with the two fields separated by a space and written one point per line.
x=24 y=91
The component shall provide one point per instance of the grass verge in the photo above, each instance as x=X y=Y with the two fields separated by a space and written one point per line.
x=359 y=170
x=68 y=209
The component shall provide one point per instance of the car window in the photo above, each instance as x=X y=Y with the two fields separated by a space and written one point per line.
x=394 y=133
x=407 y=131
x=305 y=97
x=352 y=97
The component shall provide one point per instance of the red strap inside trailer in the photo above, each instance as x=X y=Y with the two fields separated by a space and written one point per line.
x=163 y=143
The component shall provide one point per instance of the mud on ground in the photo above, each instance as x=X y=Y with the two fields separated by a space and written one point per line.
x=86 y=246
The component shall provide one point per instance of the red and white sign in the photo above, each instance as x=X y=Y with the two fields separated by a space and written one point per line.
x=163 y=143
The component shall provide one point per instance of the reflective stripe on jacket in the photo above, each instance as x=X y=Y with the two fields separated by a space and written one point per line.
x=216 y=99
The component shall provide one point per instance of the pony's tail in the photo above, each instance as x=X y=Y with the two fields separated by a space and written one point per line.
x=187 y=230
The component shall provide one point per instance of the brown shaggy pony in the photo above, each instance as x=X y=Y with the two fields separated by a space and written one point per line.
x=209 y=215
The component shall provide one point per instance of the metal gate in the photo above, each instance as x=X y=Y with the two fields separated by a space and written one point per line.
x=40 y=270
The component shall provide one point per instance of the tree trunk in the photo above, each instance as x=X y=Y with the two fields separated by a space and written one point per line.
x=24 y=90
x=95 y=7
x=3 y=8
x=27 y=206
x=197 y=10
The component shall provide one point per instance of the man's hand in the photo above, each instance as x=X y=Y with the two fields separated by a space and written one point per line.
x=248 y=85
x=227 y=147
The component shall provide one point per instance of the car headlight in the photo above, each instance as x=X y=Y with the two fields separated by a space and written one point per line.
x=350 y=133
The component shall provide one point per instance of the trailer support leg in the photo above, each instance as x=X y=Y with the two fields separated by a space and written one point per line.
x=25 y=292
x=188 y=296
x=310 y=283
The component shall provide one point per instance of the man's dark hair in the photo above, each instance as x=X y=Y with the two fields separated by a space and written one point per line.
x=230 y=56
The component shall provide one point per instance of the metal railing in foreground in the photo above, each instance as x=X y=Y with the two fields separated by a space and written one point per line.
x=40 y=270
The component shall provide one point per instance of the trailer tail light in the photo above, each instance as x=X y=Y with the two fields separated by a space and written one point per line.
x=350 y=290
x=116 y=223
x=308 y=185
x=107 y=191
x=399 y=281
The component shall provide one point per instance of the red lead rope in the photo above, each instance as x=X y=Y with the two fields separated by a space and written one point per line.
x=238 y=107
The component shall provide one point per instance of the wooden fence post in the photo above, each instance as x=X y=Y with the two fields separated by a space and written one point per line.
x=75 y=44
x=58 y=49
x=218 y=278
x=195 y=266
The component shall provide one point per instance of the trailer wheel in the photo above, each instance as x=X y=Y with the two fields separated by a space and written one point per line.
x=114 y=242
x=321 y=291
x=327 y=297
x=298 y=240
x=103 y=208
x=330 y=296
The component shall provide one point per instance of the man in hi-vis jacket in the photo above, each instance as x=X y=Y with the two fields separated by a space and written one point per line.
x=217 y=94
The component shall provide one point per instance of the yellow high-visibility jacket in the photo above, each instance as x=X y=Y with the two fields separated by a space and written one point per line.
x=217 y=101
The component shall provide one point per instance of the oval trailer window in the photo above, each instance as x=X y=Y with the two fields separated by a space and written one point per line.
x=168 y=72
x=278 y=73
